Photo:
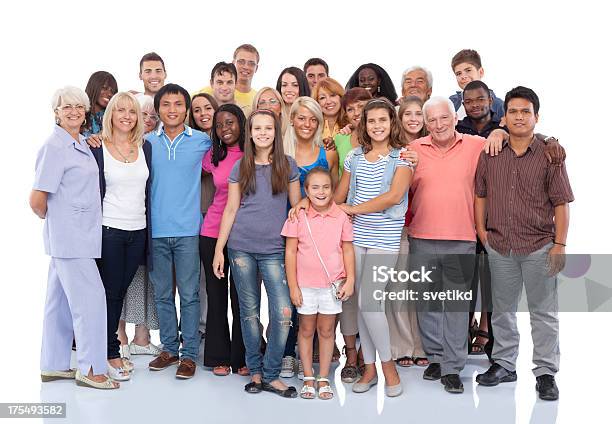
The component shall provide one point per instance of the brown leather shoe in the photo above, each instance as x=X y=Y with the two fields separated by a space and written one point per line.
x=186 y=369
x=163 y=361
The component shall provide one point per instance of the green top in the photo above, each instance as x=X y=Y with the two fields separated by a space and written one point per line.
x=343 y=146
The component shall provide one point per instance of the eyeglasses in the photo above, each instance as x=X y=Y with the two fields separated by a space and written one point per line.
x=150 y=116
x=248 y=63
x=70 y=108
x=271 y=102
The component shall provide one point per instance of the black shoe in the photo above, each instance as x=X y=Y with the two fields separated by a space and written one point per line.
x=494 y=375
x=253 y=387
x=547 y=388
x=452 y=383
x=289 y=392
x=432 y=372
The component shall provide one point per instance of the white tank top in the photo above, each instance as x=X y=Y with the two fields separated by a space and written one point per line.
x=123 y=206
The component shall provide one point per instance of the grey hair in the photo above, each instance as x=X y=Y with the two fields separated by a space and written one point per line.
x=419 y=68
x=69 y=95
x=438 y=100
x=145 y=101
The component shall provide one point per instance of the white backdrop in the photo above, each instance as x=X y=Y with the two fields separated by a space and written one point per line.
x=559 y=49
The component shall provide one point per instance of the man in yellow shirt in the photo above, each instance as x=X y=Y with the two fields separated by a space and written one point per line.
x=246 y=61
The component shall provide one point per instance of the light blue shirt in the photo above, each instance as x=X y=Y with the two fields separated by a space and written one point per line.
x=68 y=172
x=175 y=186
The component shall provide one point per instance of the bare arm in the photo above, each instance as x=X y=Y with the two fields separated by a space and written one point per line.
x=332 y=160
x=38 y=203
x=480 y=208
x=295 y=293
x=348 y=255
x=399 y=186
x=556 y=255
x=342 y=190
x=227 y=221
x=295 y=195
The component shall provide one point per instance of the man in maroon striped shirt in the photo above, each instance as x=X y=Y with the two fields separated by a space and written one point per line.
x=522 y=218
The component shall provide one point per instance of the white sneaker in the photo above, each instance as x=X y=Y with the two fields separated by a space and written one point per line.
x=300 y=370
x=288 y=367
x=150 y=349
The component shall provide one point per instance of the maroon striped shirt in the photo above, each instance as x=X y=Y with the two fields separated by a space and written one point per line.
x=522 y=192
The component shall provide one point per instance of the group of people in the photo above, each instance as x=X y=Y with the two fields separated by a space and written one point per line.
x=305 y=186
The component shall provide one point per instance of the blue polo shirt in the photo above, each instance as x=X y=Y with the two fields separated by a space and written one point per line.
x=175 y=186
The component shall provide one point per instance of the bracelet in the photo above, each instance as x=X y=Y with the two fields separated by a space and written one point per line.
x=560 y=244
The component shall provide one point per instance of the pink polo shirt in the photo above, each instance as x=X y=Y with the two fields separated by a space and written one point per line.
x=442 y=189
x=212 y=220
x=329 y=230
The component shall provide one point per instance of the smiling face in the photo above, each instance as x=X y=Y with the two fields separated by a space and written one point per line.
x=125 y=117
x=153 y=75
x=319 y=189
x=203 y=113
x=223 y=86
x=304 y=123
x=314 y=73
x=353 y=112
x=412 y=119
x=369 y=80
x=172 y=109
x=477 y=103
x=262 y=131
x=440 y=122
x=246 y=65
x=520 y=117
x=466 y=73
x=106 y=92
x=149 y=117
x=378 y=125
x=329 y=102
x=290 y=89
x=415 y=84
x=227 y=128
x=70 y=116
x=267 y=100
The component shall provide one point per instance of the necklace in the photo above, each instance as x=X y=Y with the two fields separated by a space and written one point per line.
x=125 y=159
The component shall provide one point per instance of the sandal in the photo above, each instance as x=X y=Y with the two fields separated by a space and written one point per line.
x=84 y=381
x=253 y=387
x=325 y=392
x=421 y=362
x=473 y=329
x=349 y=373
x=308 y=392
x=243 y=371
x=289 y=392
x=478 y=346
x=336 y=354
x=405 y=361
x=221 y=370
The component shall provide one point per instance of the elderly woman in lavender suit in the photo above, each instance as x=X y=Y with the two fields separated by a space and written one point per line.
x=66 y=195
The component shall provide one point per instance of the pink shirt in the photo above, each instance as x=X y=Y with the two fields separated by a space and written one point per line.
x=329 y=230
x=212 y=220
x=443 y=189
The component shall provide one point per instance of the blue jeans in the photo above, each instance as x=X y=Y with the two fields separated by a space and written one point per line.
x=246 y=267
x=184 y=252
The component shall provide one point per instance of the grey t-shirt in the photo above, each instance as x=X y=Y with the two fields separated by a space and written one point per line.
x=260 y=218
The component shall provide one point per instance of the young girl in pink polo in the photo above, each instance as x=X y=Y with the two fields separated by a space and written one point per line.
x=320 y=266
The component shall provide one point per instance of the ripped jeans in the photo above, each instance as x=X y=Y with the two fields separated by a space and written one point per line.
x=246 y=269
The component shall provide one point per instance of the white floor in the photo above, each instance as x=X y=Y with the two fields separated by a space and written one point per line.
x=159 y=397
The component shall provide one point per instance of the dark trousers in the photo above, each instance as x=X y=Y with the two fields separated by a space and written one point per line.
x=219 y=348
x=482 y=281
x=122 y=252
x=293 y=332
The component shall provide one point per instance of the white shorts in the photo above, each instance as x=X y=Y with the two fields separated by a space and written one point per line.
x=319 y=301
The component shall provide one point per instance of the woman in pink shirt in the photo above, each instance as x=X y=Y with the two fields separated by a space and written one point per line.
x=221 y=352
x=318 y=255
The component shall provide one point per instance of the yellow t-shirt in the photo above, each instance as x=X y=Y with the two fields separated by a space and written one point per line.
x=244 y=100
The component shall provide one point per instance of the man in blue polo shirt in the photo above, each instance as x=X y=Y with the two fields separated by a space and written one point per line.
x=177 y=152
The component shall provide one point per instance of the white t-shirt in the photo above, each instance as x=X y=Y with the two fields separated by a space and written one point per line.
x=123 y=206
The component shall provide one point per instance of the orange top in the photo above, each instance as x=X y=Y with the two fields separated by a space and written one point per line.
x=442 y=189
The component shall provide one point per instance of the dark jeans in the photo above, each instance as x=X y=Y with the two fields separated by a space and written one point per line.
x=482 y=278
x=219 y=349
x=122 y=252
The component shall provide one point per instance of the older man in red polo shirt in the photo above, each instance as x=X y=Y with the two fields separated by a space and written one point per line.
x=443 y=236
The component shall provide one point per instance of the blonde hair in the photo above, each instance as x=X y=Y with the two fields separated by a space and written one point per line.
x=137 y=133
x=284 y=118
x=290 y=139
